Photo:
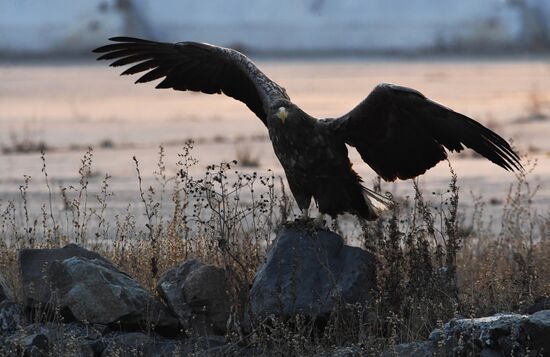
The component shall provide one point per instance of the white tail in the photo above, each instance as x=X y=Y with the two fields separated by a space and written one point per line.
x=376 y=202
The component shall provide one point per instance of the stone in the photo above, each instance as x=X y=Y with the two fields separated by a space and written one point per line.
x=78 y=284
x=198 y=295
x=35 y=345
x=503 y=334
x=311 y=271
x=499 y=332
x=34 y=264
x=537 y=330
x=92 y=291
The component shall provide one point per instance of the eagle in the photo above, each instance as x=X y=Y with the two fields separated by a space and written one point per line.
x=398 y=131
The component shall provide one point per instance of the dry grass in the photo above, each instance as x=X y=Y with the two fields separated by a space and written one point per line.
x=433 y=263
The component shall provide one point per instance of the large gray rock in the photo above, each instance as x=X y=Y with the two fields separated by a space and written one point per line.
x=92 y=291
x=537 y=331
x=498 y=335
x=310 y=271
x=34 y=265
x=197 y=294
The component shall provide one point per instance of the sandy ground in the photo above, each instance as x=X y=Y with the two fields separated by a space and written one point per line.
x=71 y=106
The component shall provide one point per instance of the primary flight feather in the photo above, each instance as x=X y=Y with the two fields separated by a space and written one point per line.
x=398 y=131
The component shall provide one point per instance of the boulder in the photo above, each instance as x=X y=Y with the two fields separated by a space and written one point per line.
x=310 y=271
x=484 y=335
x=34 y=265
x=92 y=291
x=500 y=334
x=197 y=294
x=35 y=345
x=537 y=330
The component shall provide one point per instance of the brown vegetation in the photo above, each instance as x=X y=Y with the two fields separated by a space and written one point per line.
x=433 y=262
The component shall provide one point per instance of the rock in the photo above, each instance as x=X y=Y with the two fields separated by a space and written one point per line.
x=499 y=332
x=35 y=345
x=34 y=264
x=497 y=335
x=83 y=286
x=197 y=294
x=5 y=292
x=537 y=330
x=11 y=316
x=310 y=271
x=92 y=291
x=436 y=335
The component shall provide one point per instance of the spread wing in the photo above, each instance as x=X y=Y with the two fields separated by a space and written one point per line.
x=197 y=67
x=400 y=133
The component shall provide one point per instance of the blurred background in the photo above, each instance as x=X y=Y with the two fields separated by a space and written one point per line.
x=487 y=59
x=284 y=27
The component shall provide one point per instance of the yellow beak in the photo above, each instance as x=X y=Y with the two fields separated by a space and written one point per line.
x=282 y=114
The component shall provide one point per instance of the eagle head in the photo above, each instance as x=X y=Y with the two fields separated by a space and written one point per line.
x=282 y=113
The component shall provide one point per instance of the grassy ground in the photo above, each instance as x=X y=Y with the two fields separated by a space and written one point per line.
x=434 y=261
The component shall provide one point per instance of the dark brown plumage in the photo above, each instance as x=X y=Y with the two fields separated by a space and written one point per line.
x=398 y=131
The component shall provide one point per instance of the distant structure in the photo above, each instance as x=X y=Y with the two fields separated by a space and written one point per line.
x=279 y=27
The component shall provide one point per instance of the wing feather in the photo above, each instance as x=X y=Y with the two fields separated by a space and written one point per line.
x=197 y=67
x=400 y=133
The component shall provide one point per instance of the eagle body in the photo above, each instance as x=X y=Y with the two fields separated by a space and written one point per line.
x=397 y=131
x=316 y=164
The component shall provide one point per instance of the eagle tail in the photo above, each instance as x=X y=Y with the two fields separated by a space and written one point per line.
x=376 y=203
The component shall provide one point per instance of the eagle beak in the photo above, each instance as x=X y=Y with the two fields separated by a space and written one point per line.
x=282 y=114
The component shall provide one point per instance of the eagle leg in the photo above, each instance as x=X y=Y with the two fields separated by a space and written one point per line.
x=319 y=221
